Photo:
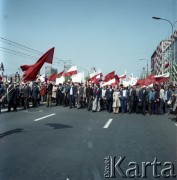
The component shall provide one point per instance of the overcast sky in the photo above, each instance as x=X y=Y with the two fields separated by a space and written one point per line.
x=106 y=34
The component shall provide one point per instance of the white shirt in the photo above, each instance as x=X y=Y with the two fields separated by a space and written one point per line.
x=124 y=93
x=71 y=90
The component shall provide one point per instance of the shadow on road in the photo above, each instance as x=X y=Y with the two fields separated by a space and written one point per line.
x=14 y=131
x=58 y=126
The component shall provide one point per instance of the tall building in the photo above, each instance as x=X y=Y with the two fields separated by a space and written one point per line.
x=164 y=58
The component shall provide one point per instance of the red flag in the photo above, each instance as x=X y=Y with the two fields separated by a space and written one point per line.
x=25 y=67
x=162 y=78
x=150 y=80
x=60 y=74
x=71 y=71
x=53 y=77
x=32 y=70
x=95 y=79
x=109 y=76
x=116 y=78
x=166 y=64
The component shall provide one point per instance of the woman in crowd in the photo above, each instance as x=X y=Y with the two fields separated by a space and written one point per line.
x=116 y=101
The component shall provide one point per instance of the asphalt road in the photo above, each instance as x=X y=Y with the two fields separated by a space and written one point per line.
x=69 y=144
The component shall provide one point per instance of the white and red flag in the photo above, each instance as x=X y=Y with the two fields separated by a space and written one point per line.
x=72 y=71
x=109 y=76
x=166 y=64
x=123 y=76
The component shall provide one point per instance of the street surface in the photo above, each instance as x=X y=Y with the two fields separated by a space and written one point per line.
x=69 y=144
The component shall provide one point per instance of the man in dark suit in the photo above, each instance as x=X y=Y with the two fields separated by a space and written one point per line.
x=12 y=93
x=72 y=95
x=89 y=96
x=35 y=93
x=132 y=99
x=109 y=98
x=26 y=95
x=124 y=98
x=80 y=94
x=49 y=95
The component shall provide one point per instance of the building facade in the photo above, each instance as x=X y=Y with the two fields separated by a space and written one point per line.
x=164 y=58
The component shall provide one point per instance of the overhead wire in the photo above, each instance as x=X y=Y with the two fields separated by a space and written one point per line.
x=31 y=50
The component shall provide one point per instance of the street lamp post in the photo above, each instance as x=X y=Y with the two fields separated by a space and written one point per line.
x=147 y=63
x=173 y=50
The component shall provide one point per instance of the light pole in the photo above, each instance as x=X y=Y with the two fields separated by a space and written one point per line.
x=147 y=64
x=173 y=50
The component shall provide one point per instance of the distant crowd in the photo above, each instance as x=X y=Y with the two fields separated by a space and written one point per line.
x=159 y=99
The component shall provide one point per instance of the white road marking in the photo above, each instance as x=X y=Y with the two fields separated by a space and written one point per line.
x=108 y=123
x=175 y=124
x=44 y=117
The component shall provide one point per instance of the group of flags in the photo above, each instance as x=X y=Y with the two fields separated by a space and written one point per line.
x=31 y=71
x=151 y=79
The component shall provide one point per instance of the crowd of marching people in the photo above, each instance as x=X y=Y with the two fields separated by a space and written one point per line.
x=158 y=99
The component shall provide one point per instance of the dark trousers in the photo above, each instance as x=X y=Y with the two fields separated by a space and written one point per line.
x=71 y=101
x=34 y=100
x=58 y=100
x=144 y=106
x=66 y=100
x=162 y=108
x=89 y=103
x=0 y=106
x=131 y=106
x=26 y=103
x=124 y=105
x=12 y=103
x=150 y=107
x=109 y=103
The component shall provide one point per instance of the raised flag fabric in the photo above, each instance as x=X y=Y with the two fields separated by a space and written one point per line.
x=162 y=78
x=60 y=80
x=25 y=67
x=92 y=75
x=32 y=70
x=95 y=79
x=78 y=78
x=122 y=76
x=166 y=65
x=53 y=77
x=117 y=78
x=72 y=71
x=61 y=74
x=109 y=76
